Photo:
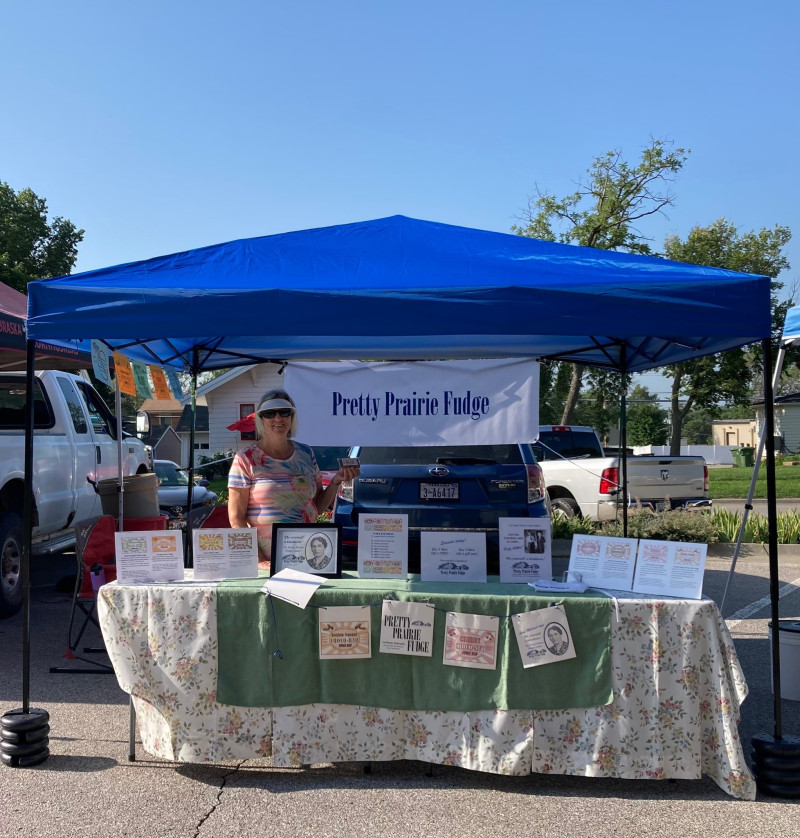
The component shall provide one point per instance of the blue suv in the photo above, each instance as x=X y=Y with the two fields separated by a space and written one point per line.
x=442 y=487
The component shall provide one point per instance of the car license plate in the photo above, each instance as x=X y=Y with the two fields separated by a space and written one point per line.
x=438 y=491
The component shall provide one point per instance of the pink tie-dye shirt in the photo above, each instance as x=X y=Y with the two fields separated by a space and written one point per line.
x=280 y=490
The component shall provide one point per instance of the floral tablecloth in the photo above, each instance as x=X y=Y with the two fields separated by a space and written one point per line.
x=677 y=688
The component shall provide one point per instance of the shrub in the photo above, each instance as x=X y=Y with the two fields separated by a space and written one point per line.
x=670 y=525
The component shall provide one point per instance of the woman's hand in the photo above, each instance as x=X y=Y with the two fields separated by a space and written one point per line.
x=324 y=498
x=346 y=473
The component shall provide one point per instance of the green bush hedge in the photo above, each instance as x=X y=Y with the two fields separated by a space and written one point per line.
x=682 y=525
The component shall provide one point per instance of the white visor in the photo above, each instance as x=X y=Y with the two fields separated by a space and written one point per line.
x=274 y=404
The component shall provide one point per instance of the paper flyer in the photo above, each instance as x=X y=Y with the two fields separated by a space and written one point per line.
x=124 y=374
x=174 y=382
x=670 y=568
x=100 y=365
x=452 y=556
x=159 y=382
x=382 y=546
x=344 y=632
x=543 y=636
x=603 y=561
x=525 y=549
x=141 y=379
x=471 y=640
x=224 y=554
x=292 y=586
x=407 y=628
x=149 y=556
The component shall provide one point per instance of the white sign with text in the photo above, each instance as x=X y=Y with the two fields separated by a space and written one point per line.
x=476 y=402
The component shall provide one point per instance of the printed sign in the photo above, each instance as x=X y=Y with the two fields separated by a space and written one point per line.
x=124 y=373
x=225 y=553
x=100 y=366
x=344 y=632
x=670 y=568
x=452 y=556
x=382 y=546
x=525 y=549
x=141 y=380
x=159 y=382
x=407 y=628
x=477 y=402
x=174 y=383
x=603 y=561
x=149 y=556
x=543 y=636
x=471 y=640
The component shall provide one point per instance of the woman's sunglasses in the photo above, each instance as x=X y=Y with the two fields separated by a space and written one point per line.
x=284 y=413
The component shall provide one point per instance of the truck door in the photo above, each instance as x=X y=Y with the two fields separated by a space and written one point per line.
x=103 y=425
x=86 y=500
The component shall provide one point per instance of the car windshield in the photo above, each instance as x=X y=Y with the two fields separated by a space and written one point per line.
x=328 y=456
x=168 y=474
x=443 y=454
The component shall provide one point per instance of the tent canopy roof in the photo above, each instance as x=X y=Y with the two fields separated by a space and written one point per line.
x=399 y=288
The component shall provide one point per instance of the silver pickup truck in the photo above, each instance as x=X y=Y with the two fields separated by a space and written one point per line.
x=75 y=442
x=582 y=481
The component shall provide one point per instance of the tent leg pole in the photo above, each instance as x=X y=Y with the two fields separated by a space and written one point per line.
x=748 y=504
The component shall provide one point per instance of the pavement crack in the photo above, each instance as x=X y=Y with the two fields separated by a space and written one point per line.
x=220 y=791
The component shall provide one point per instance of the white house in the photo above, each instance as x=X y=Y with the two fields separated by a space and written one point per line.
x=787 y=423
x=228 y=397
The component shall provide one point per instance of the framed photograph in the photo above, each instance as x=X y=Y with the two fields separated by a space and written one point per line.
x=311 y=548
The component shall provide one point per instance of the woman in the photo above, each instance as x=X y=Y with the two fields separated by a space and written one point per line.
x=276 y=479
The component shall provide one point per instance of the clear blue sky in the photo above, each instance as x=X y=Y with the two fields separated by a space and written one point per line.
x=163 y=126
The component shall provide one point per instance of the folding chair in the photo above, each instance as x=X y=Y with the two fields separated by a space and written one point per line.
x=94 y=545
x=209 y=517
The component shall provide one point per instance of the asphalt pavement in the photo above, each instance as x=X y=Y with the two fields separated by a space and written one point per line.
x=87 y=787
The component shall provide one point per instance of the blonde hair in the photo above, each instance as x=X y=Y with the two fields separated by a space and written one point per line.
x=276 y=394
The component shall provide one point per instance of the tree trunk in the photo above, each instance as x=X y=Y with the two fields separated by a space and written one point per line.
x=675 y=417
x=572 y=396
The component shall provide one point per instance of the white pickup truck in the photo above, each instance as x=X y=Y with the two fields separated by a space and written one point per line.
x=75 y=442
x=582 y=481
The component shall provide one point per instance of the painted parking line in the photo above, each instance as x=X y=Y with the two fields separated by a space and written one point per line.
x=754 y=607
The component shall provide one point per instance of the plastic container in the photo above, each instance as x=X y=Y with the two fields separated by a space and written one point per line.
x=747 y=453
x=738 y=460
x=140 y=496
x=789 y=649
x=98 y=575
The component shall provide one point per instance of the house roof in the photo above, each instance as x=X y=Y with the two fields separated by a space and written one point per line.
x=161 y=406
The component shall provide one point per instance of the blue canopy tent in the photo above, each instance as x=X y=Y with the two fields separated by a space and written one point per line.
x=399 y=288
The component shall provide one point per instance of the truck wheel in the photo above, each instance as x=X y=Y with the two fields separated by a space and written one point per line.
x=566 y=507
x=10 y=564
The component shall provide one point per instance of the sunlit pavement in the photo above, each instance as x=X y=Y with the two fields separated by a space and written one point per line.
x=87 y=787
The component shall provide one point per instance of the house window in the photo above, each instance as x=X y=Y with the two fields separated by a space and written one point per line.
x=244 y=411
x=201 y=446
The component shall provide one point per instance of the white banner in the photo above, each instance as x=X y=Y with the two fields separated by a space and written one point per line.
x=477 y=402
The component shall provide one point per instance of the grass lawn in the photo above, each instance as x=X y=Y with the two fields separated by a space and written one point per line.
x=735 y=482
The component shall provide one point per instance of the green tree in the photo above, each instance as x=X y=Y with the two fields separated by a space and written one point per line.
x=697 y=429
x=31 y=247
x=725 y=379
x=600 y=400
x=648 y=424
x=604 y=212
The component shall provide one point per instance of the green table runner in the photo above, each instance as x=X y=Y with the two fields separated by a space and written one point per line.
x=250 y=675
